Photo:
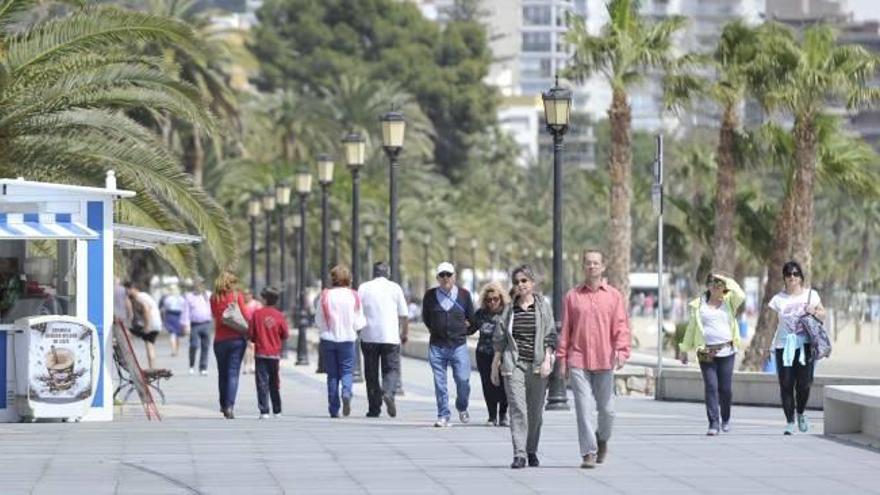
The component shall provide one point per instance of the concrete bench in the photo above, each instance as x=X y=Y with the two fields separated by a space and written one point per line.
x=853 y=412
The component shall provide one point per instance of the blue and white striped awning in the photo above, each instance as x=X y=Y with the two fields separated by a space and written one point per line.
x=35 y=226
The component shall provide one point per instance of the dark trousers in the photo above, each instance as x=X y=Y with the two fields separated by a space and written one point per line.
x=268 y=384
x=794 y=382
x=229 y=354
x=387 y=358
x=718 y=386
x=496 y=399
x=199 y=339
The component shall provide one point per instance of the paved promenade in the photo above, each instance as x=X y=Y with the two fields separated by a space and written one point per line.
x=656 y=448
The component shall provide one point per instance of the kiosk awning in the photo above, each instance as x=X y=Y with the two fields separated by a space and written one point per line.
x=38 y=226
x=131 y=237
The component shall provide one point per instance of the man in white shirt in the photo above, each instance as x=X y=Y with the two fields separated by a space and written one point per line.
x=387 y=326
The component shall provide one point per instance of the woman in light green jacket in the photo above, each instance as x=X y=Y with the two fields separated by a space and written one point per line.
x=712 y=333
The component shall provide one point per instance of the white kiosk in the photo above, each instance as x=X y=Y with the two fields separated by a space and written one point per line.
x=54 y=298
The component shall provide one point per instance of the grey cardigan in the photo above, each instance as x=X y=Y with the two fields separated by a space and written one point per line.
x=545 y=335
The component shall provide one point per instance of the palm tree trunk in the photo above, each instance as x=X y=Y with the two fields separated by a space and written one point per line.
x=756 y=353
x=620 y=169
x=198 y=159
x=802 y=188
x=724 y=242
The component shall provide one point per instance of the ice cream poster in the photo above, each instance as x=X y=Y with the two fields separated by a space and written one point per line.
x=60 y=365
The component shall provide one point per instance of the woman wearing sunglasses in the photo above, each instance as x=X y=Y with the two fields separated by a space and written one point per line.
x=525 y=349
x=712 y=333
x=794 y=365
x=493 y=300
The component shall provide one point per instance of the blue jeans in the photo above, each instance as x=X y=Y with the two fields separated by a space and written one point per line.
x=441 y=358
x=718 y=387
x=229 y=354
x=339 y=365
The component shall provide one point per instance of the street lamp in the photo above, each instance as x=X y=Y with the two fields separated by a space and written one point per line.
x=474 y=244
x=303 y=188
x=557 y=112
x=269 y=207
x=355 y=148
x=253 y=209
x=369 y=230
x=426 y=241
x=393 y=127
x=400 y=237
x=492 y=253
x=399 y=389
x=297 y=224
x=335 y=230
x=325 y=178
x=282 y=200
x=451 y=243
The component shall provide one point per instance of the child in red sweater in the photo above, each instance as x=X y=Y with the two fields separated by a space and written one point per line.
x=268 y=330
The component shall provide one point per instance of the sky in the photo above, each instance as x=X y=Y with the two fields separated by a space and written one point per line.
x=865 y=10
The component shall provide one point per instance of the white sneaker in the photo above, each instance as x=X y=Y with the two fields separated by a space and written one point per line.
x=276 y=415
x=192 y=371
x=203 y=372
x=442 y=422
x=264 y=416
x=464 y=417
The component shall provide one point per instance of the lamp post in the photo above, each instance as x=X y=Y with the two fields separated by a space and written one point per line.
x=399 y=389
x=269 y=207
x=325 y=178
x=451 y=243
x=303 y=188
x=474 y=245
x=426 y=241
x=557 y=110
x=492 y=252
x=355 y=149
x=253 y=213
x=393 y=127
x=335 y=230
x=369 y=230
x=282 y=200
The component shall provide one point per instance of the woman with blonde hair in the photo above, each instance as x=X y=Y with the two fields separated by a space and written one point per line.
x=339 y=317
x=229 y=343
x=493 y=301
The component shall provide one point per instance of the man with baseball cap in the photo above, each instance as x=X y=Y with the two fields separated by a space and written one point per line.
x=447 y=311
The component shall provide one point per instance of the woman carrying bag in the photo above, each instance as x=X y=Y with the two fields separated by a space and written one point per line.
x=229 y=338
x=712 y=332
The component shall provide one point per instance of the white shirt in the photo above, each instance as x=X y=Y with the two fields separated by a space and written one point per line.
x=716 y=327
x=790 y=308
x=343 y=315
x=152 y=308
x=383 y=302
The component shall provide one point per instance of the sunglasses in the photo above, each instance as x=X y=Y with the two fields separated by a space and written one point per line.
x=793 y=274
x=444 y=274
x=522 y=280
x=715 y=283
x=493 y=299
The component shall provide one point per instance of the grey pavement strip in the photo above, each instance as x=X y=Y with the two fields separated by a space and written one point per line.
x=169 y=479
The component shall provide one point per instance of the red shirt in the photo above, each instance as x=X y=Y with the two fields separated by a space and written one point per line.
x=218 y=305
x=595 y=328
x=268 y=331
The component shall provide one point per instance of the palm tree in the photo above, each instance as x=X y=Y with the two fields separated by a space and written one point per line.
x=730 y=65
x=800 y=78
x=64 y=92
x=626 y=49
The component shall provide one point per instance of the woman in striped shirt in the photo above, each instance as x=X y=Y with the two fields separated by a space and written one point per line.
x=525 y=345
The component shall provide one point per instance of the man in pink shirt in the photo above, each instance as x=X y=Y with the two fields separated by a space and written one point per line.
x=593 y=342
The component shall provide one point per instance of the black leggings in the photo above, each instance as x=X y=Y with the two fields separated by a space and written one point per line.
x=794 y=382
x=496 y=399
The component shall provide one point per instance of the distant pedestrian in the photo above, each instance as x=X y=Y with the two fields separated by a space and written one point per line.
x=198 y=323
x=229 y=343
x=594 y=341
x=171 y=307
x=268 y=330
x=493 y=301
x=122 y=309
x=339 y=317
x=525 y=345
x=251 y=305
x=794 y=365
x=146 y=320
x=447 y=311
x=712 y=332
x=387 y=327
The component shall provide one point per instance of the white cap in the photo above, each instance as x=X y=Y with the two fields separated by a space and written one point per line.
x=445 y=267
